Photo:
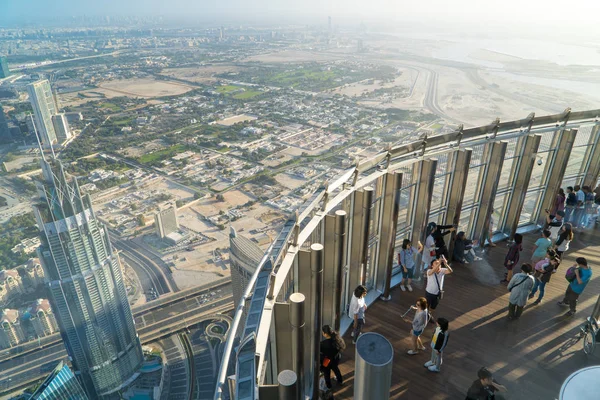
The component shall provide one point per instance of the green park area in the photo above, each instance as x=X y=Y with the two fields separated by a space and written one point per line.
x=110 y=106
x=238 y=92
x=160 y=155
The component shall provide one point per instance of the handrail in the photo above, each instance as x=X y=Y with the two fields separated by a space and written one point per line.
x=419 y=148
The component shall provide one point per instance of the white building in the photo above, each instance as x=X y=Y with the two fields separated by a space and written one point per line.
x=42 y=318
x=11 y=283
x=11 y=333
x=166 y=222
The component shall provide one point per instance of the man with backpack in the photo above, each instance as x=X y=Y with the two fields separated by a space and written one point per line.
x=578 y=276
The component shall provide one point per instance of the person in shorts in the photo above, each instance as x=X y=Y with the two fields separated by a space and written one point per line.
x=406 y=259
x=418 y=325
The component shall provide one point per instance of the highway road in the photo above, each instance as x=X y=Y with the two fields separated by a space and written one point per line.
x=176 y=385
x=161 y=323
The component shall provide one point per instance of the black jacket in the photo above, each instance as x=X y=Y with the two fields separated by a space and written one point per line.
x=438 y=235
x=330 y=349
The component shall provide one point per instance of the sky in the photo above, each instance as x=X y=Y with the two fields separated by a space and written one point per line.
x=573 y=13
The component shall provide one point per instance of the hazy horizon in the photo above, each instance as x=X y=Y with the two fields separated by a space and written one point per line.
x=478 y=15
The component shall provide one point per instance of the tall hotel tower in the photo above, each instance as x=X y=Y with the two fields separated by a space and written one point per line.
x=87 y=292
x=44 y=107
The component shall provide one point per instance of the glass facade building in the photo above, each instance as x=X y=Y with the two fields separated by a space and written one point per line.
x=44 y=107
x=61 y=384
x=86 y=287
x=504 y=174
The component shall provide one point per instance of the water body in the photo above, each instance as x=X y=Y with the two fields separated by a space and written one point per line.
x=587 y=88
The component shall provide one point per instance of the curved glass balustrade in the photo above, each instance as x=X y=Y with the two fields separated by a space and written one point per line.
x=509 y=171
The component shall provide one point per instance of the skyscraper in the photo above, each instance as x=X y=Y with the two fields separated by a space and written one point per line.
x=4 y=131
x=61 y=128
x=244 y=258
x=44 y=107
x=4 y=71
x=87 y=292
x=61 y=384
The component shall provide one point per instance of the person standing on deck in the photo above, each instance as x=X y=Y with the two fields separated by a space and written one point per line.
x=438 y=344
x=418 y=325
x=512 y=257
x=570 y=205
x=583 y=274
x=357 y=311
x=544 y=270
x=559 y=202
x=429 y=252
x=406 y=259
x=434 y=289
x=555 y=222
x=580 y=208
x=438 y=235
x=541 y=246
x=564 y=238
x=520 y=287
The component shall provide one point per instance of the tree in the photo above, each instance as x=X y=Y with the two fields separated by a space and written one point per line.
x=220 y=197
x=179 y=203
x=141 y=220
x=197 y=195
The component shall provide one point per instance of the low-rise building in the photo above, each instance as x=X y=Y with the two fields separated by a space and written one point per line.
x=34 y=272
x=27 y=246
x=11 y=332
x=42 y=318
x=11 y=283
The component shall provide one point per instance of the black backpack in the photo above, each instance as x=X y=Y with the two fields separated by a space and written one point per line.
x=572 y=199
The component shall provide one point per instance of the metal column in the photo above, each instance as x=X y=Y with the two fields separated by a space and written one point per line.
x=329 y=264
x=316 y=265
x=288 y=383
x=590 y=177
x=373 y=367
x=556 y=170
x=387 y=240
x=339 y=265
x=424 y=176
x=489 y=185
x=367 y=206
x=354 y=242
x=459 y=162
x=528 y=147
x=297 y=305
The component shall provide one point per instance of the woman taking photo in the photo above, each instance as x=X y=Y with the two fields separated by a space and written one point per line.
x=357 y=311
x=564 y=238
x=331 y=353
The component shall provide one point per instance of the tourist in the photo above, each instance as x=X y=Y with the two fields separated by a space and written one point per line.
x=559 y=202
x=357 y=311
x=577 y=283
x=512 y=257
x=406 y=259
x=438 y=235
x=434 y=290
x=580 y=208
x=429 y=252
x=555 y=222
x=438 y=344
x=418 y=325
x=570 y=204
x=564 y=238
x=543 y=272
x=490 y=233
x=541 y=246
x=590 y=207
x=463 y=250
x=484 y=387
x=331 y=353
x=519 y=287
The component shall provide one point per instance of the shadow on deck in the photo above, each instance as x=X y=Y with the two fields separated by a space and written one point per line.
x=531 y=357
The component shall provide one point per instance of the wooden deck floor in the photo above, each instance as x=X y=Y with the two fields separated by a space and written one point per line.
x=531 y=356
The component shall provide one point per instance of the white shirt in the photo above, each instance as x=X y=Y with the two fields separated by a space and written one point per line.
x=357 y=306
x=432 y=286
x=429 y=246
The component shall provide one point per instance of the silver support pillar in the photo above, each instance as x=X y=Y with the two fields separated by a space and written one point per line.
x=354 y=242
x=555 y=171
x=528 y=147
x=297 y=301
x=281 y=337
x=590 y=177
x=367 y=205
x=424 y=176
x=316 y=266
x=339 y=264
x=489 y=185
x=288 y=385
x=458 y=162
x=329 y=268
x=373 y=367
x=387 y=240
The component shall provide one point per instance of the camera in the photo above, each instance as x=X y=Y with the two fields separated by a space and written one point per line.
x=540 y=161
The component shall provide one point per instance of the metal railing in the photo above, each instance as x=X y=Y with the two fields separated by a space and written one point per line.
x=279 y=266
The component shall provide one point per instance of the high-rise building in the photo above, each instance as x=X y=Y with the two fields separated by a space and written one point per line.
x=44 y=107
x=61 y=384
x=61 y=128
x=11 y=333
x=4 y=130
x=4 y=71
x=42 y=318
x=166 y=222
x=244 y=258
x=86 y=287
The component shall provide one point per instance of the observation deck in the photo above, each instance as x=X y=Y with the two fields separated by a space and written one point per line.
x=350 y=231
